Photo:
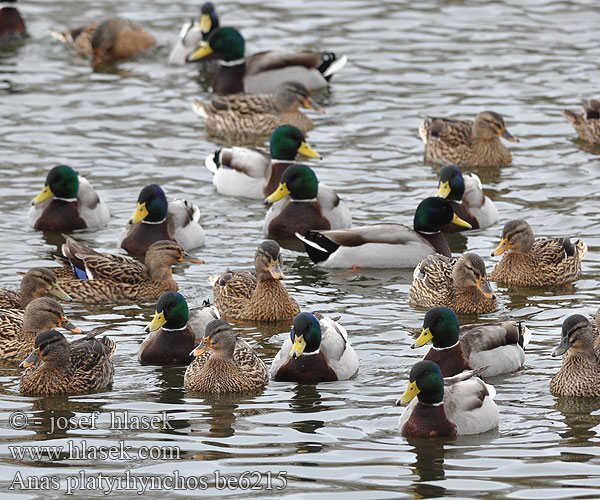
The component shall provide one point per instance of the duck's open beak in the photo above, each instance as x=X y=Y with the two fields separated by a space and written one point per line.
x=158 y=321
x=443 y=189
x=461 y=223
x=199 y=53
x=485 y=288
x=32 y=359
x=67 y=325
x=141 y=212
x=504 y=246
x=281 y=192
x=409 y=394
x=45 y=193
x=422 y=339
x=203 y=347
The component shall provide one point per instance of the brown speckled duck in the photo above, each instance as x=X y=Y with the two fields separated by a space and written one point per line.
x=18 y=329
x=37 y=282
x=110 y=40
x=460 y=284
x=231 y=367
x=261 y=297
x=465 y=143
x=579 y=374
x=586 y=124
x=56 y=366
x=536 y=262
x=90 y=276
x=12 y=25
x=258 y=114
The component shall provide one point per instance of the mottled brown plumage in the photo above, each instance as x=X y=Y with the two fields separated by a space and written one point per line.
x=243 y=296
x=586 y=124
x=539 y=262
x=465 y=143
x=231 y=366
x=56 y=366
x=37 y=282
x=459 y=284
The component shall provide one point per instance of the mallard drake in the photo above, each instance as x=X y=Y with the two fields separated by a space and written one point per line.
x=194 y=33
x=495 y=347
x=12 y=25
x=384 y=245
x=317 y=350
x=466 y=143
x=255 y=297
x=173 y=333
x=37 y=282
x=308 y=204
x=156 y=219
x=110 y=40
x=453 y=406
x=536 y=262
x=19 y=328
x=258 y=114
x=468 y=199
x=579 y=374
x=460 y=284
x=586 y=124
x=56 y=366
x=67 y=202
x=264 y=71
x=231 y=366
x=253 y=174
x=90 y=276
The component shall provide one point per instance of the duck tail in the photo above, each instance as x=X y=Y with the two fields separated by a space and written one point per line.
x=213 y=161
x=331 y=64
x=524 y=335
x=200 y=109
x=317 y=246
x=573 y=118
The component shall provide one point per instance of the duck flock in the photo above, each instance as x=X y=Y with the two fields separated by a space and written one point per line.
x=261 y=95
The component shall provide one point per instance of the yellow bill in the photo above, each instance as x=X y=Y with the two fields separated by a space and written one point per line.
x=200 y=53
x=158 y=321
x=409 y=394
x=281 y=192
x=43 y=196
x=298 y=347
x=461 y=223
x=443 y=189
x=306 y=150
x=504 y=246
x=205 y=23
x=422 y=339
x=141 y=212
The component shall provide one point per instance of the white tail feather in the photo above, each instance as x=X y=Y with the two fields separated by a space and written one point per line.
x=309 y=243
x=335 y=66
x=210 y=164
x=198 y=107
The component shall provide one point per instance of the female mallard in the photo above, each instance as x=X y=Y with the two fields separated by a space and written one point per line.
x=587 y=124
x=317 y=350
x=252 y=174
x=37 y=282
x=90 y=276
x=385 y=245
x=310 y=205
x=56 y=366
x=261 y=297
x=258 y=114
x=494 y=347
x=12 y=25
x=156 y=219
x=454 y=406
x=194 y=33
x=107 y=41
x=460 y=284
x=466 y=143
x=232 y=366
x=67 y=202
x=19 y=328
x=172 y=332
x=264 y=71
x=579 y=374
x=536 y=262
x=468 y=199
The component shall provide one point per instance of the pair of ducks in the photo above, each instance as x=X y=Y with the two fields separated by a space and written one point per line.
x=68 y=201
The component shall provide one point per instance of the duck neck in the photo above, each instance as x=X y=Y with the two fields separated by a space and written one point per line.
x=160 y=271
x=277 y=168
x=230 y=77
x=439 y=242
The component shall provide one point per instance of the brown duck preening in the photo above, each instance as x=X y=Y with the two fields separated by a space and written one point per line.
x=586 y=124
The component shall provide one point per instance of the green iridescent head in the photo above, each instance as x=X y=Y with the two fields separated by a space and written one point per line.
x=62 y=182
x=152 y=205
x=451 y=184
x=172 y=313
x=433 y=212
x=305 y=334
x=425 y=382
x=287 y=141
x=227 y=43
x=440 y=326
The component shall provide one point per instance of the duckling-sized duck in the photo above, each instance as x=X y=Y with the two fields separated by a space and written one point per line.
x=110 y=40
x=12 y=25
x=67 y=202
x=258 y=114
x=195 y=33
x=466 y=143
x=317 y=350
x=245 y=296
x=468 y=199
x=94 y=277
x=460 y=284
x=264 y=71
x=232 y=365
x=385 y=245
x=56 y=366
x=310 y=205
x=579 y=374
x=536 y=262
x=586 y=124
x=173 y=332
x=253 y=174
x=37 y=282
x=18 y=329
x=454 y=406
x=156 y=219
x=494 y=347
